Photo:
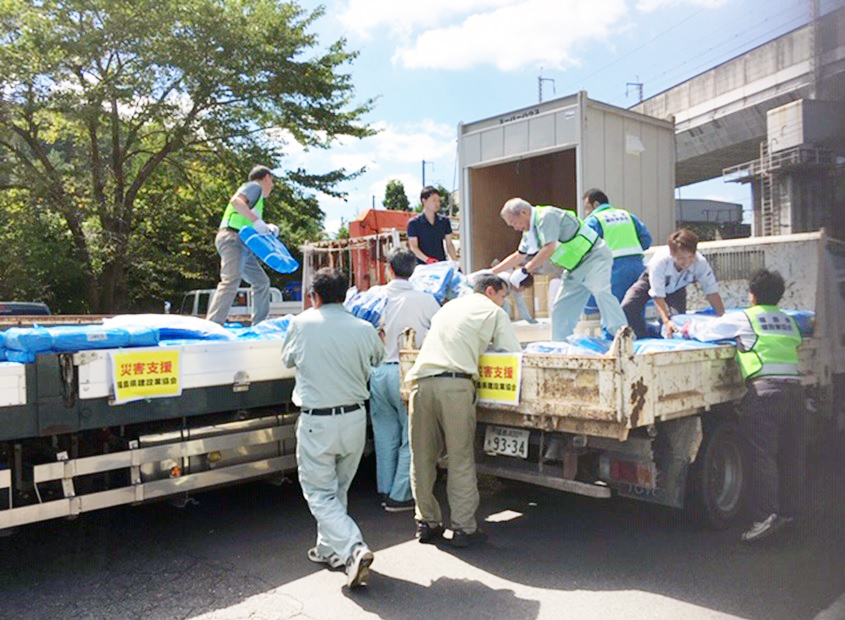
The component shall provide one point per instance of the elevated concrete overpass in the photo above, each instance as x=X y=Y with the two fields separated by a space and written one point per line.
x=720 y=115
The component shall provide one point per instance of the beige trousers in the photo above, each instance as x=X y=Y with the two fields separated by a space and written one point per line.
x=442 y=410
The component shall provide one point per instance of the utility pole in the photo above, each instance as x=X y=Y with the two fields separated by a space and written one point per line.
x=424 y=162
x=638 y=85
x=540 y=80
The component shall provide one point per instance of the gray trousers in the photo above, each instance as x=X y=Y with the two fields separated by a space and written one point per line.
x=442 y=409
x=238 y=263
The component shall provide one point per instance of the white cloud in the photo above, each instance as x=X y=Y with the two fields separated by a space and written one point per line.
x=649 y=6
x=364 y=16
x=524 y=33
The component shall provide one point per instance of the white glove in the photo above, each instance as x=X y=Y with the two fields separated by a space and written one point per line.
x=274 y=230
x=261 y=227
x=455 y=265
x=518 y=277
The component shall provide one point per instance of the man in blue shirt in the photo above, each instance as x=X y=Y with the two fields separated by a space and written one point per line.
x=429 y=232
x=625 y=235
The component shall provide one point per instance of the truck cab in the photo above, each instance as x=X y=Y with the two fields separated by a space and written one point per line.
x=196 y=303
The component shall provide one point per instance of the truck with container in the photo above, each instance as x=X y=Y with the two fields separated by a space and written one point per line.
x=661 y=426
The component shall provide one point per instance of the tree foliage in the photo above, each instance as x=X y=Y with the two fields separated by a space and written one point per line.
x=395 y=197
x=125 y=125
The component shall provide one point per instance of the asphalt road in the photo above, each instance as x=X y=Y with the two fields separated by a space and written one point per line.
x=239 y=553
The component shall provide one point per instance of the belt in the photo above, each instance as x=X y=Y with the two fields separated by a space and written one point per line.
x=390 y=362
x=452 y=375
x=333 y=410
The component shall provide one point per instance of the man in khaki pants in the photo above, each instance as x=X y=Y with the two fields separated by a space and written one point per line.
x=442 y=406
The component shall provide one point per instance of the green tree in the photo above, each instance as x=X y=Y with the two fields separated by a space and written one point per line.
x=113 y=111
x=395 y=197
x=343 y=231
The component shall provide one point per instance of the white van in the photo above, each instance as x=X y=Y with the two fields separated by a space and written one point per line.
x=196 y=302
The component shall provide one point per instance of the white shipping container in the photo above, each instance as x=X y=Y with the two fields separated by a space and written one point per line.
x=551 y=153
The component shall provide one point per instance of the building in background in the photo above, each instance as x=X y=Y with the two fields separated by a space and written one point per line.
x=710 y=219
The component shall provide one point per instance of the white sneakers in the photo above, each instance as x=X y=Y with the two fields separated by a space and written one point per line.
x=358 y=566
x=765 y=528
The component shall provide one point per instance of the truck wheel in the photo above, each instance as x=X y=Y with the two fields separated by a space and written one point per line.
x=717 y=477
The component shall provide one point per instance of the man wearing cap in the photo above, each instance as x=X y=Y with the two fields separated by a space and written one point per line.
x=334 y=353
x=237 y=262
x=442 y=406
x=429 y=233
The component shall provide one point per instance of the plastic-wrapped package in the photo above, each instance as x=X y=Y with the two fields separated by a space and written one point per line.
x=434 y=278
x=269 y=249
x=558 y=348
x=22 y=357
x=805 y=319
x=70 y=338
x=593 y=345
x=275 y=328
x=173 y=326
x=368 y=305
x=29 y=339
x=644 y=346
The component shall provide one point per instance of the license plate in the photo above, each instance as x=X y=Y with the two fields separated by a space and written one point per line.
x=506 y=441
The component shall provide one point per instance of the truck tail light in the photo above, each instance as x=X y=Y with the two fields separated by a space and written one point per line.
x=639 y=474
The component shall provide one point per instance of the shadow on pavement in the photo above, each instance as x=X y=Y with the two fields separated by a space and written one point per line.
x=397 y=599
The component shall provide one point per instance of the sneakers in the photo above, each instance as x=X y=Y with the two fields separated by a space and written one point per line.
x=461 y=539
x=428 y=533
x=391 y=505
x=358 y=566
x=333 y=561
x=765 y=528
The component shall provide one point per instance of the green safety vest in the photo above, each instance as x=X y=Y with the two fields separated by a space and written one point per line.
x=233 y=219
x=775 y=349
x=569 y=254
x=619 y=232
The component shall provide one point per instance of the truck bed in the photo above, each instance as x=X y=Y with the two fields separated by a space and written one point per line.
x=609 y=395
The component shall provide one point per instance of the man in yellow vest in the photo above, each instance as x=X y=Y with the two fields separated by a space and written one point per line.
x=772 y=412
x=237 y=262
x=624 y=234
x=559 y=236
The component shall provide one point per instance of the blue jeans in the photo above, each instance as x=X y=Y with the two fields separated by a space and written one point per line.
x=625 y=271
x=390 y=432
x=328 y=450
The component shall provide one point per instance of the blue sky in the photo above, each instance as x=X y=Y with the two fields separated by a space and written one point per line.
x=436 y=63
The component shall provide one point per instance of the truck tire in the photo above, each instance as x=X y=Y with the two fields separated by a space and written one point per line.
x=717 y=477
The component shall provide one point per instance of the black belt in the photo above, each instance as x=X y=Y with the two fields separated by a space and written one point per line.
x=333 y=410
x=390 y=362
x=452 y=375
